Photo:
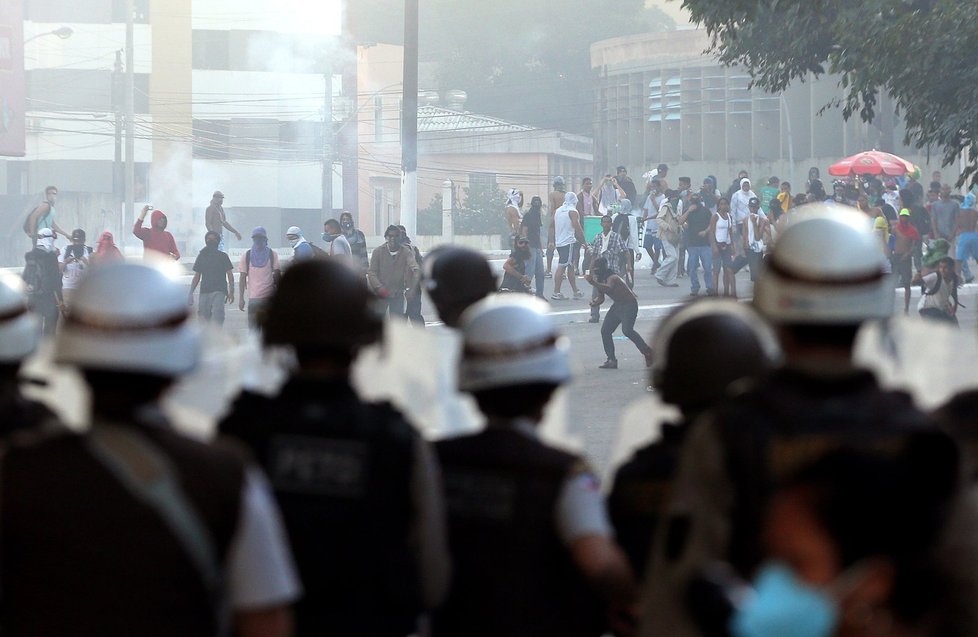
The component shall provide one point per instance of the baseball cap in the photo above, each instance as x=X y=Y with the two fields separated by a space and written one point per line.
x=904 y=212
x=294 y=230
x=754 y=201
x=78 y=233
x=218 y=193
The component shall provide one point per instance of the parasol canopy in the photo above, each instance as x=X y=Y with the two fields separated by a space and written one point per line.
x=872 y=162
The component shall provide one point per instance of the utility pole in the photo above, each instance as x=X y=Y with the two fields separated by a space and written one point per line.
x=130 y=202
x=328 y=144
x=409 y=121
x=117 y=187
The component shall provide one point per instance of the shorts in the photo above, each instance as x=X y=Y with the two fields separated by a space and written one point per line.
x=726 y=255
x=564 y=254
x=902 y=268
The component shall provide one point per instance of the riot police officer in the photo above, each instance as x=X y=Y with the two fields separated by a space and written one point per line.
x=19 y=335
x=531 y=544
x=131 y=528
x=455 y=278
x=823 y=281
x=356 y=484
x=698 y=351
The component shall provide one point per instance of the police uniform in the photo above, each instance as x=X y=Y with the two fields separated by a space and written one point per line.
x=734 y=459
x=360 y=498
x=514 y=506
x=640 y=494
x=87 y=551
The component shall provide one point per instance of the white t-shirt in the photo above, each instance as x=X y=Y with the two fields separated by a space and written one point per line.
x=941 y=299
x=73 y=271
x=563 y=228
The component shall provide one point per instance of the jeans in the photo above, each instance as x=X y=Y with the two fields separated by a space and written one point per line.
x=394 y=304
x=256 y=312
x=667 y=266
x=623 y=314
x=967 y=248
x=696 y=256
x=210 y=306
x=534 y=269
x=413 y=309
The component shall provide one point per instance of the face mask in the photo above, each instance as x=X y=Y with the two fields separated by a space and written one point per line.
x=46 y=243
x=212 y=244
x=347 y=224
x=784 y=606
x=294 y=242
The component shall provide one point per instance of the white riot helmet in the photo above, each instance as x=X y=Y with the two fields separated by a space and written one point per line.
x=510 y=340
x=130 y=317
x=826 y=268
x=20 y=330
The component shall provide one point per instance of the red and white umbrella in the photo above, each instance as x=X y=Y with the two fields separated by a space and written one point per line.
x=872 y=162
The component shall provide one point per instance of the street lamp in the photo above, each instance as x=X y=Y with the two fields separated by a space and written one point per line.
x=62 y=32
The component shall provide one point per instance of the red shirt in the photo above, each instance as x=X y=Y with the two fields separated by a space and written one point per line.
x=154 y=238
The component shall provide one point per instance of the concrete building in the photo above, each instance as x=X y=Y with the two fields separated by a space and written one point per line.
x=658 y=98
x=228 y=96
x=453 y=145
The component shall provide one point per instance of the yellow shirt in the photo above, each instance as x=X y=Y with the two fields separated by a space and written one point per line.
x=785 y=200
x=880 y=224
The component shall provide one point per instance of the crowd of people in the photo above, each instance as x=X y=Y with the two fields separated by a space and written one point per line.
x=792 y=496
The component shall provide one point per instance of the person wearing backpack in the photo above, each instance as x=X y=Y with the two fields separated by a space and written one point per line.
x=301 y=249
x=43 y=278
x=42 y=216
x=259 y=269
x=73 y=263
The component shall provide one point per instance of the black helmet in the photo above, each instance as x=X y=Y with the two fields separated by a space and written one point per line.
x=325 y=305
x=704 y=346
x=455 y=278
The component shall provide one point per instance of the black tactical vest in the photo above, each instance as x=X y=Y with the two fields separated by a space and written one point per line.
x=80 y=555
x=341 y=470
x=512 y=574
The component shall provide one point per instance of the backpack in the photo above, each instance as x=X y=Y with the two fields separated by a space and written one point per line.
x=33 y=278
x=937 y=287
x=317 y=252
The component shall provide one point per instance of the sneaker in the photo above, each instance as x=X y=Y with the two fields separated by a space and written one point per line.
x=666 y=285
x=578 y=295
x=558 y=296
x=711 y=292
x=548 y=274
x=594 y=319
x=694 y=293
x=609 y=364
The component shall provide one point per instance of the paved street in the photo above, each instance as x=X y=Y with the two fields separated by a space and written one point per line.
x=598 y=400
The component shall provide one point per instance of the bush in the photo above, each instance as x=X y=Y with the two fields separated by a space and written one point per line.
x=483 y=212
x=429 y=219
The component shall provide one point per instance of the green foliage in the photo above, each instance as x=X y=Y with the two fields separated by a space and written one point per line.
x=917 y=51
x=482 y=213
x=430 y=218
x=524 y=61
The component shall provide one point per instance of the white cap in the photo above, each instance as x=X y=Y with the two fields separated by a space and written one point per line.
x=20 y=330
x=294 y=230
x=826 y=268
x=510 y=340
x=130 y=317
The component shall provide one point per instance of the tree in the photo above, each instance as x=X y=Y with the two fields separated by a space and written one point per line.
x=919 y=52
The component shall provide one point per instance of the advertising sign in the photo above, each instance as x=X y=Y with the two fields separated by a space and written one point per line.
x=12 y=83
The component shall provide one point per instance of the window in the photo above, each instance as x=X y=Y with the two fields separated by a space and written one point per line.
x=378 y=119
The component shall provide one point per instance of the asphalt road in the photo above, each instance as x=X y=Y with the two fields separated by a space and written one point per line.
x=609 y=411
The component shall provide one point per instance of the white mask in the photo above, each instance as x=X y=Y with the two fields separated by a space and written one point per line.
x=46 y=244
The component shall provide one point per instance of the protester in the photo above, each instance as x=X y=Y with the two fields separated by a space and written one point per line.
x=555 y=200
x=155 y=238
x=73 y=263
x=515 y=278
x=587 y=202
x=357 y=486
x=608 y=245
x=106 y=251
x=755 y=230
x=43 y=217
x=669 y=235
x=623 y=311
x=905 y=238
x=939 y=299
x=412 y=298
x=164 y=535
x=566 y=233
x=42 y=276
x=966 y=241
x=697 y=219
x=721 y=235
x=215 y=275
x=531 y=229
x=393 y=272
x=216 y=221
x=259 y=269
x=301 y=249
x=358 y=243
x=514 y=212
x=531 y=546
x=338 y=245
